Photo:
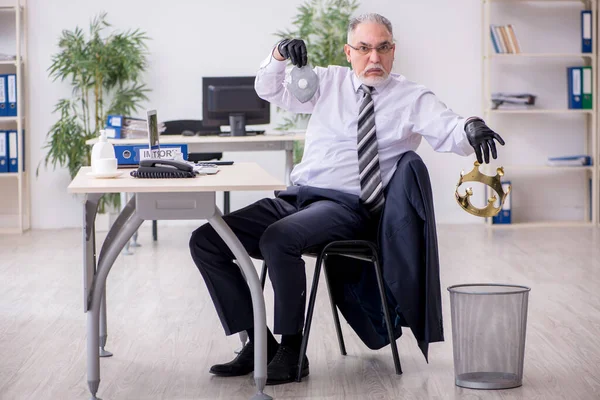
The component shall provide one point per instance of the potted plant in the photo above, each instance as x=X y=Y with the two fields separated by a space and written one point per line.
x=105 y=71
x=323 y=25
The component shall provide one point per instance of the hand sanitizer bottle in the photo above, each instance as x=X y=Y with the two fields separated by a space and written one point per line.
x=102 y=149
x=103 y=155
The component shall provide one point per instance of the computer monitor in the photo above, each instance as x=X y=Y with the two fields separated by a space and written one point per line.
x=233 y=101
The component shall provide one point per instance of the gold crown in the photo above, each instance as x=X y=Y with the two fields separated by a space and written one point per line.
x=492 y=181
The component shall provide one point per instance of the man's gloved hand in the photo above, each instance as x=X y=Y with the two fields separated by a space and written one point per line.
x=295 y=50
x=481 y=137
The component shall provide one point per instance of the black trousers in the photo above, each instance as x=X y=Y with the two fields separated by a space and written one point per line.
x=278 y=231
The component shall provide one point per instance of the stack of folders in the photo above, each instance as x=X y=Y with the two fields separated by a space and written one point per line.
x=8 y=95
x=570 y=161
x=7 y=57
x=580 y=88
x=504 y=39
x=121 y=127
x=512 y=100
x=9 y=154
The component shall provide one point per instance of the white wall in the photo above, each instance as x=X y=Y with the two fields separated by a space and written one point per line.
x=438 y=44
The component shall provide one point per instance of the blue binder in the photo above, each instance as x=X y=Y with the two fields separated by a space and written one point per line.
x=574 y=87
x=114 y=124
x=3 y=96
x=13 y=153
x=3 y=152
x=504 y=216
x=586 y=31
x=12 y=95
x=130 y=155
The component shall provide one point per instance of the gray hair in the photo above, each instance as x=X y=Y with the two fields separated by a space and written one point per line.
x=370 y=17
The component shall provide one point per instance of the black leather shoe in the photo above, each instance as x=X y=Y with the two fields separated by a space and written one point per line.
x=284 y=366
x=243 y=364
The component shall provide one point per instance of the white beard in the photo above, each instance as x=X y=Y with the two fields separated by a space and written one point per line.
x=373 y=80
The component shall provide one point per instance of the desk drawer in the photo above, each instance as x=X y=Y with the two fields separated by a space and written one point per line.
x=164 y=206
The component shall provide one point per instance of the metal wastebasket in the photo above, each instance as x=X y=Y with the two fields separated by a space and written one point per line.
x=488 y=334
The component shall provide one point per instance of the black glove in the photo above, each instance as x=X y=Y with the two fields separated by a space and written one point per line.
x=481 y=137
x=294 y=49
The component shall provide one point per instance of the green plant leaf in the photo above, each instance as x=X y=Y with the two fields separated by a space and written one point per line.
x=103 y=67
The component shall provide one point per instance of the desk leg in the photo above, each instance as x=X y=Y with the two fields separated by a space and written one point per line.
x=118 y=236
x=258 y=302
x=121 y=219
x=124 y=200
x=103 y=324
x=226 y=203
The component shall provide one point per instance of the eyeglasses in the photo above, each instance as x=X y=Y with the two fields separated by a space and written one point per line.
x=381 y=49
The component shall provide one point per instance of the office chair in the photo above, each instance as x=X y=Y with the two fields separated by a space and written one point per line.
x=358 y=249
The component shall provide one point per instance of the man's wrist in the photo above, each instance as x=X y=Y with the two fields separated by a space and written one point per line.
x=277 y=55
x=471 y=119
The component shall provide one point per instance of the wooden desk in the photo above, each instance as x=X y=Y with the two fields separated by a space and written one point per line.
x=187 y=198
x=217 y=144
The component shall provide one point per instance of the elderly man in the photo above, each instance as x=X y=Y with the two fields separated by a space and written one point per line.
x=363 y=119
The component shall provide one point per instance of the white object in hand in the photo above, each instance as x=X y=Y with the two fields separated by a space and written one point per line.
x=304 y=83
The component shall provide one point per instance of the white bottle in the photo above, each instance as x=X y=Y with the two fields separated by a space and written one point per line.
x=102 y=149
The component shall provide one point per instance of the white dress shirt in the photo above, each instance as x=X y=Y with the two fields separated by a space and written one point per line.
x=404 y=113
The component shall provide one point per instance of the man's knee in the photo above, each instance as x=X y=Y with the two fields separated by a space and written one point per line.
x=278 y=239
x=202 y=241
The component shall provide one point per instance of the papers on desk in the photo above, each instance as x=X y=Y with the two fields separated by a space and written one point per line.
x=206 y=169
x=7 y=57
x=122 y=127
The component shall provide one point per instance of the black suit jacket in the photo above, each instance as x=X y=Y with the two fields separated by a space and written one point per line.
x=407 y=239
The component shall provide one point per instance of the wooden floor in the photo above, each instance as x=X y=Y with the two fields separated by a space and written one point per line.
x=165 y=333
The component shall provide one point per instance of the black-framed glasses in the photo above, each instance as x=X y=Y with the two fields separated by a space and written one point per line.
x=383 y=48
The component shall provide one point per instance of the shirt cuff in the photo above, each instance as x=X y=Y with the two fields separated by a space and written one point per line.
x=461 y=138
x=271 y=64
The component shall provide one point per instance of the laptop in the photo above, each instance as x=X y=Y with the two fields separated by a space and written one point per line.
x=153 y=141
x=156 y=153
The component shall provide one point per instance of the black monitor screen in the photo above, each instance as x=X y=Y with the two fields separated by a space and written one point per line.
x=222 y=96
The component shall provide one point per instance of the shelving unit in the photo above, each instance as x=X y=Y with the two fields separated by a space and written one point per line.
x=15 y=214
x=493 y=62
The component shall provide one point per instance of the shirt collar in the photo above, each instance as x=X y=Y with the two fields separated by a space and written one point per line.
x=356 y=82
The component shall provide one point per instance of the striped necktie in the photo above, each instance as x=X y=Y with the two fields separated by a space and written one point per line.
x=371 y=187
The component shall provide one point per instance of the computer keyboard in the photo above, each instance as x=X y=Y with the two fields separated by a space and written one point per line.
x=214 y=163
x=211 y=133
x=219 y=133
